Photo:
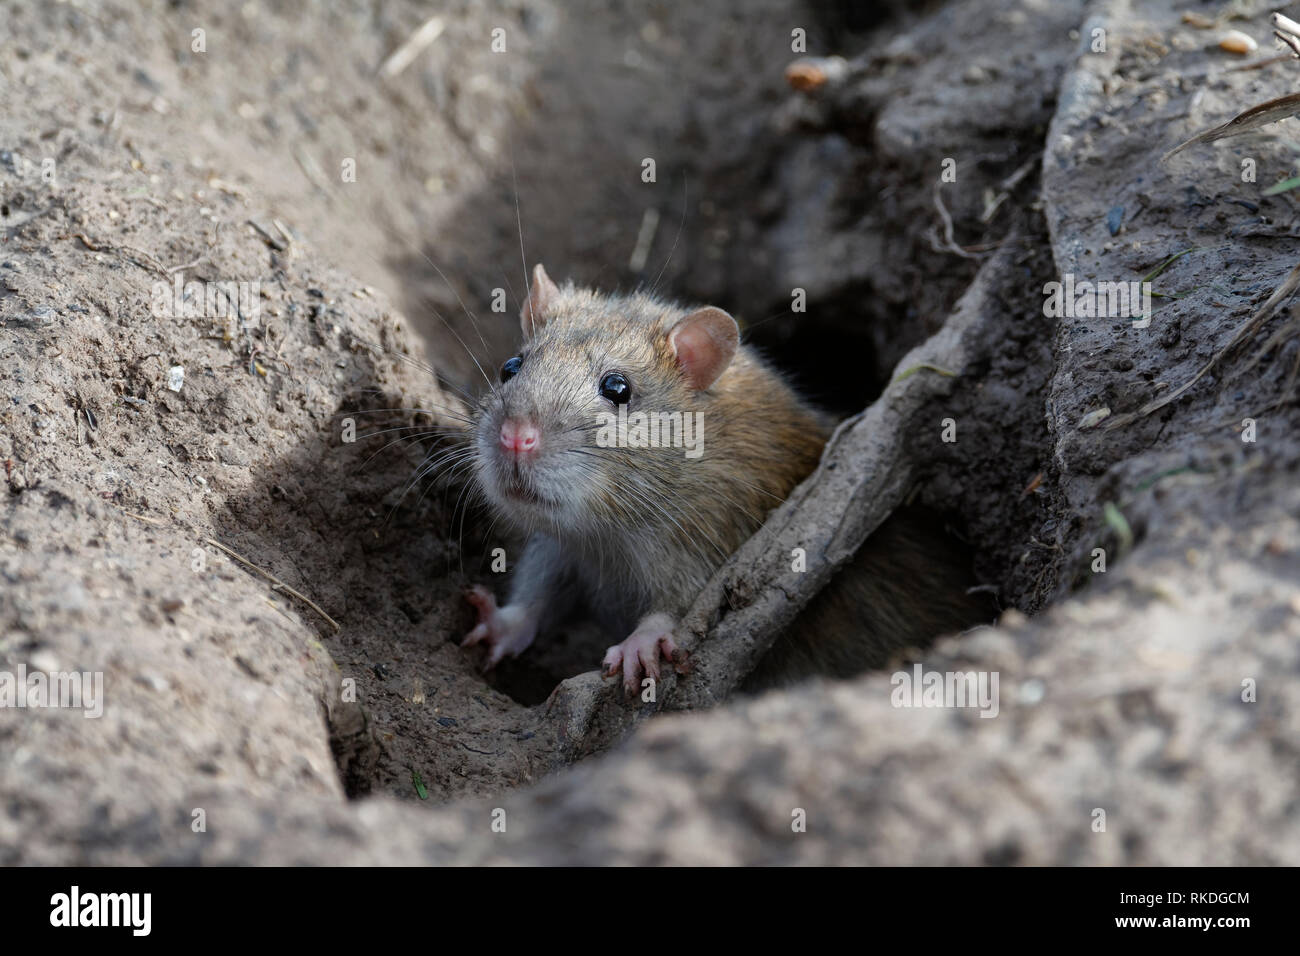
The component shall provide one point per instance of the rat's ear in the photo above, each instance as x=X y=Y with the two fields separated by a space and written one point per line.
x=541 y=296
x=705 y=343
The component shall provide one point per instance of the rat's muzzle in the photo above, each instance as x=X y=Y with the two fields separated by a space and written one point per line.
x=520 y=439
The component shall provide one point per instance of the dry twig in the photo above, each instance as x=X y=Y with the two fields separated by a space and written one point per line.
x=278 y=584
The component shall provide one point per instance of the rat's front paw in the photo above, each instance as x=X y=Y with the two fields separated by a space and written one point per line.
x=639 y=654
x=505 y=631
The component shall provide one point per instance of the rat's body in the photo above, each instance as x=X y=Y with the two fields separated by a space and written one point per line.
x=635 y=532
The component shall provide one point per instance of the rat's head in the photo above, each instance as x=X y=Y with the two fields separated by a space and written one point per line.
x=549 y=451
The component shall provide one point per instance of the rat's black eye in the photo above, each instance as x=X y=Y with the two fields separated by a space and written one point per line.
x=511 y=368
x=616 y=388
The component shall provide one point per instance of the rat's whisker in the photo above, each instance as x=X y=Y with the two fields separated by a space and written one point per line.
x=434 y=431
x=473 y=320
x=519 y=219
x=411 y=409
x=397 y=441
x=421 y=471
x=681 y=225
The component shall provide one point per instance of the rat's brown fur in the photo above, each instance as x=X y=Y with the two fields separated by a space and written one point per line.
x=906 y=585
x=641 y=530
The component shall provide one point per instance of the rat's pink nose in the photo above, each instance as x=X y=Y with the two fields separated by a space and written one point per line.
x=520 y=437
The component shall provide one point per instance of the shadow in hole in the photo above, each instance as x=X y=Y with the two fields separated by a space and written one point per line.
x=384 y=554
x=568 y=185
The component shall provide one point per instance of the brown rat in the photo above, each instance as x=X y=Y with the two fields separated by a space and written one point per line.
x=634 y=532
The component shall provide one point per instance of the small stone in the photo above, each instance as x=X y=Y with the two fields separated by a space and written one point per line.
x=1234 y=41
x=1094 y=418
x=44 y=661
x=1115 y=219
x=1012 y=618
x=1031 y=692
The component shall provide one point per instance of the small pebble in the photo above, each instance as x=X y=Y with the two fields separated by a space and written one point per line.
x=1012 y=618
x=1234 y=41
x=1094 y=418
x=1031 y=692
x=1115 y=219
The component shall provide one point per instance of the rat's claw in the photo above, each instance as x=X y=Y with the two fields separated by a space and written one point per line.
x=500 y=650
x=486 y=605
x=482 y=599
x=505 y=631
x=613 y=661
x=479 y=632
x=674 y=654
x=639 y=654
x=631 y=671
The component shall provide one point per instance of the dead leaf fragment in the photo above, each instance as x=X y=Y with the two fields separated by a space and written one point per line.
x=1094 y=418
x=1253 y=118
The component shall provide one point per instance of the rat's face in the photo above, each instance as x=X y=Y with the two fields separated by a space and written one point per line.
x=550 y=453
